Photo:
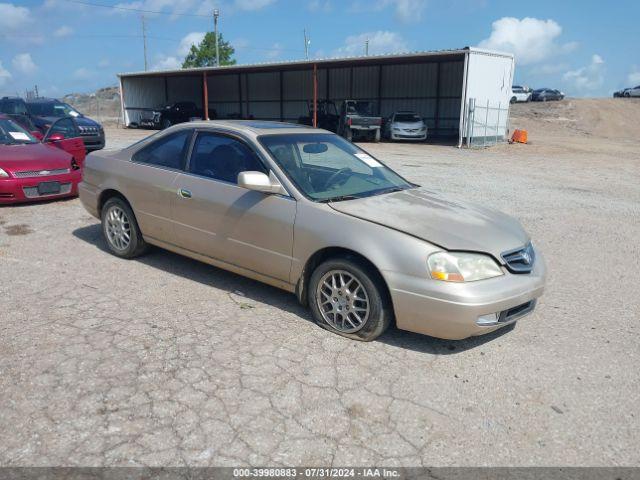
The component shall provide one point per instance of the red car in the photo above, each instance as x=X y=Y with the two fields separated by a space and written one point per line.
x=36 y=167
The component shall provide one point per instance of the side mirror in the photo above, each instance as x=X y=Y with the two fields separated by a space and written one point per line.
x=38 y=135
x=260 y=182
x=55 y=137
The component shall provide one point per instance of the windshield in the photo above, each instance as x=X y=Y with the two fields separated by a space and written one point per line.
x=13 y=134
x=407 y=117
x=361 y=108
x=52 y=109
x=328 y=168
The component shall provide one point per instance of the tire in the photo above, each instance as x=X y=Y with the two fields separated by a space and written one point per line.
x=166 y=124
x=117 y=213
x=627 y=94
x=376 y=136
x=513 y=100
x=367 y=300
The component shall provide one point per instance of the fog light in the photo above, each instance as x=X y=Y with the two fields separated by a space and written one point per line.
x=489 y=319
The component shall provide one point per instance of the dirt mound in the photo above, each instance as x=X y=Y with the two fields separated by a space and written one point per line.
x=613 y=118
x=102 y=105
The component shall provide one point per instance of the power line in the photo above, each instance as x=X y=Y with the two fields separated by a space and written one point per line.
x=137 y=10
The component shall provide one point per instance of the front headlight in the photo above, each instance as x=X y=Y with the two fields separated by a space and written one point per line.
x=3 y=174
x=462 y=266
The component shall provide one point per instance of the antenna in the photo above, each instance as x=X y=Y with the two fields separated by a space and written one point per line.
x=144 y=40
x=307 y=42
x=216 y=14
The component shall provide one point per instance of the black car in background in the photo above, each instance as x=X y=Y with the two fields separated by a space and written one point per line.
x=546 y=94
x=170 y=114
x=44 y=111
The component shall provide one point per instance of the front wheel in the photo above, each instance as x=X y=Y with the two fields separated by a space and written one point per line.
x=349 y=299
x=121 y=230
x=166 y=123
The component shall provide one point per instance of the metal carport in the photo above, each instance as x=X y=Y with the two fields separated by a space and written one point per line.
x=436 y=85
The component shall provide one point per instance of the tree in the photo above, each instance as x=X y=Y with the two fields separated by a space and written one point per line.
x=204 y=55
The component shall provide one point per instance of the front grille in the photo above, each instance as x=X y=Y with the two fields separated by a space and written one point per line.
x=40 y=173
x=520 y=260
x=32 y=192
x=89 y=131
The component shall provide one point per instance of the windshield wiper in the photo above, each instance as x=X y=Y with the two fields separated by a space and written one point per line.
x=339 y=198
x=386 y=190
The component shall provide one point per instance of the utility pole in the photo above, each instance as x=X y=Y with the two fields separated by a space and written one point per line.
x=216 y=14
x=144 y=40
x=36 y=89
x=366 y=48
x=307 y=42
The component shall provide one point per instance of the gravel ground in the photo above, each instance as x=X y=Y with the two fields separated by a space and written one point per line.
x=166 y=361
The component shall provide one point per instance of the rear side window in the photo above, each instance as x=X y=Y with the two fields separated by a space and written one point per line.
x=167 y=152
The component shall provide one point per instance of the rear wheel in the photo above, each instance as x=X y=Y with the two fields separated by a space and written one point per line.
x=513 y=100
x=166 y=123
x=347 y=298
x=627 y=94
x=121 y=230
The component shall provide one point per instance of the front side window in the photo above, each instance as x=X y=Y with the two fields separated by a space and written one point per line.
x=168 y=151
x=64 y=127
x=328 y=168
x=222 y=157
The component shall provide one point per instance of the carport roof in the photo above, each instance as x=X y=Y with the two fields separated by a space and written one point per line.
x=408 y=57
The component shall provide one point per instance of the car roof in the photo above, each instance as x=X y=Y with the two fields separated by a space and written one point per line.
x=42 y=100
x=255 y=127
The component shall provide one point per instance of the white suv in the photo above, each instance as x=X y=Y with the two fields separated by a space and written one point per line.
x=520 y=94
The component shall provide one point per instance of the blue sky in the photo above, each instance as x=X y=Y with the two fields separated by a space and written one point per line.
x=586 y=48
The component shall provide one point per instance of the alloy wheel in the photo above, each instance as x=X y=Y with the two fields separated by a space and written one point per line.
x=343 y=301
x=118 y=228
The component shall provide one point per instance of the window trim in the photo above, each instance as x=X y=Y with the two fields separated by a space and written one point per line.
x=189 y=144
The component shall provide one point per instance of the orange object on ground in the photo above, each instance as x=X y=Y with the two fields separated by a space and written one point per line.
x=519 y=136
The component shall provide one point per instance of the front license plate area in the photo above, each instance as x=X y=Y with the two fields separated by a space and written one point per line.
x=48 y=188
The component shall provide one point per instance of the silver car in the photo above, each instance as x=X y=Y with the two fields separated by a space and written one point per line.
x=304 y=210
x=405 y=126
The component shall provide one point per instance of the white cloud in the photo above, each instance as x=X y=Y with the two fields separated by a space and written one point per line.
x=634 y=77
x=63 y=31
x=5 y=75
x=13 y=18
x=406 y=11
x=380 y=42
x=167 y=63
x=193 y=38
x=275 y=51
x=323 y=6
x=531 y=40
x=587 y=78
x=23 y=63
x=104 y=63
x=83 y=73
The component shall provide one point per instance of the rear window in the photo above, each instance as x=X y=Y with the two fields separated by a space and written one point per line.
x=13 y=107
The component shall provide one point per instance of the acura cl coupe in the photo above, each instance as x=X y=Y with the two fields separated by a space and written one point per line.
x=309 y=212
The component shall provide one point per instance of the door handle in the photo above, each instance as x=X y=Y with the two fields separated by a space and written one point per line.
x=184 y=193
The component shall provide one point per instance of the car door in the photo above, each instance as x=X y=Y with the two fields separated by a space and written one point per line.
x=635 y=91
x=215 y=217
x=65 y=134
x=148 y=182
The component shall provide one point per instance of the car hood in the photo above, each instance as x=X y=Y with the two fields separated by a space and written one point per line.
x=408 y=124
x=86 y=122
x=451 y=225
x=35 y=156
